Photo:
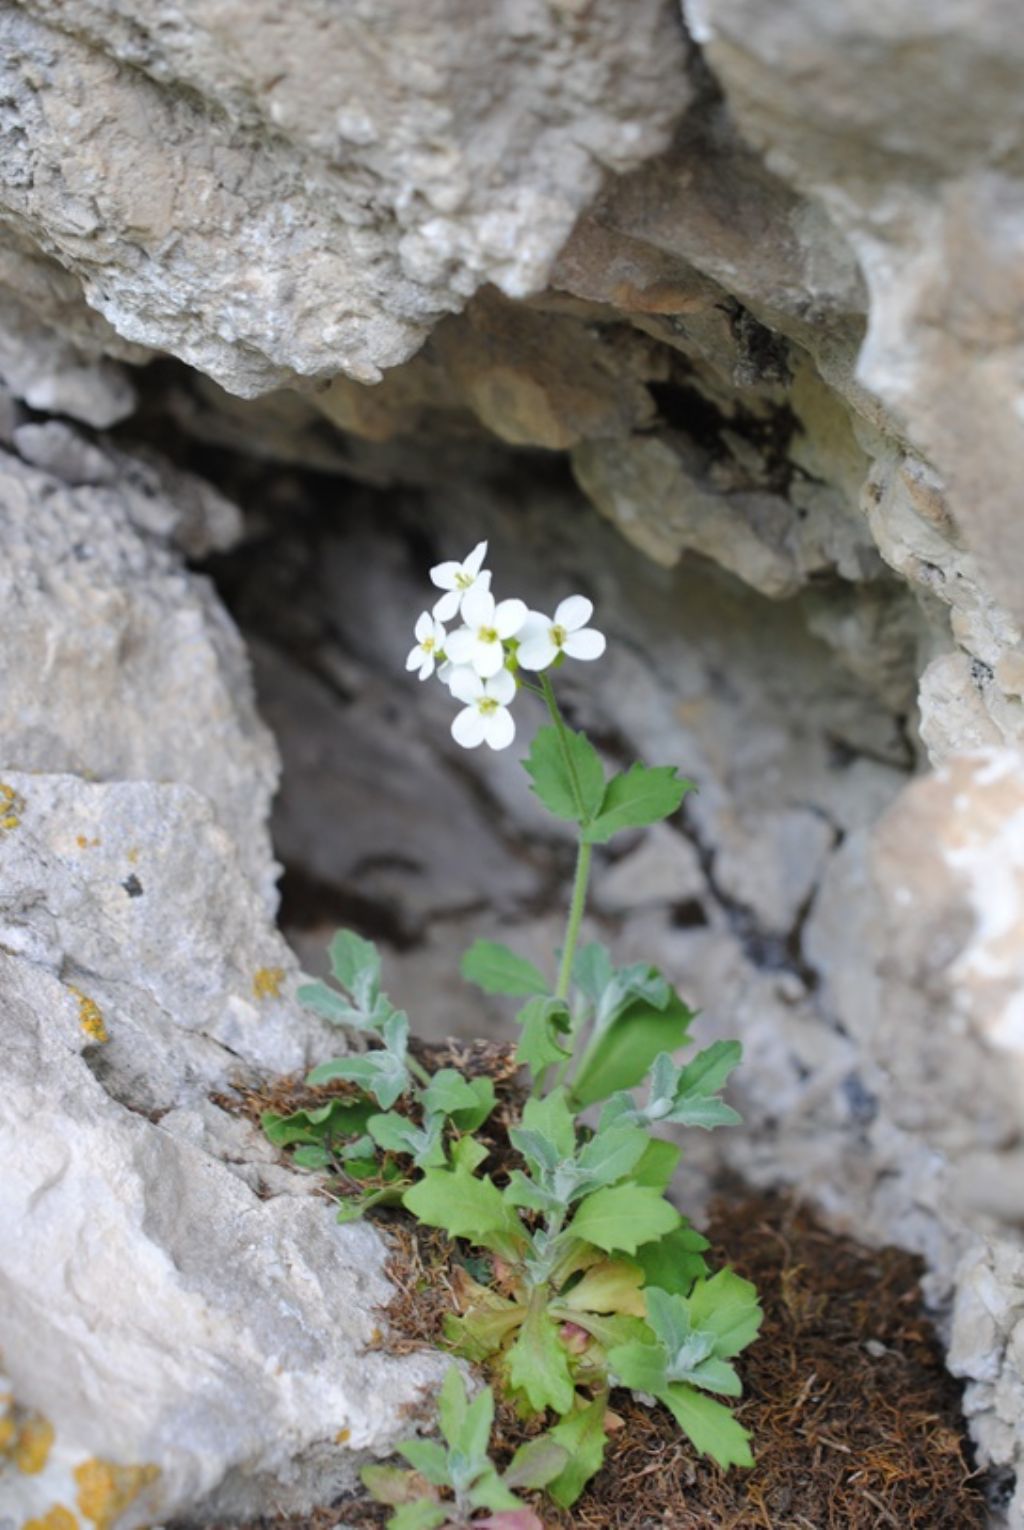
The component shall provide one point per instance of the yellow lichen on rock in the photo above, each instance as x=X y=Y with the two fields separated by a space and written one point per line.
x=105 y=1490
x=267 y=982
x=90 y=1016
x=57 y=1518
x=31 y=1449
x=11 y=807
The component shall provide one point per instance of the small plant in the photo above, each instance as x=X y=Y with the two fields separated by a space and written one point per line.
x=587 y=1278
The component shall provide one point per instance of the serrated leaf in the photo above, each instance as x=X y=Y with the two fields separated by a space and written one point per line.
x=543 y=1022
x=675 y=1261
x=537 y=1364
x=620 y=1218
x=536 y=1463
x=552 y=1119
x=466 y=1206
x=581 y=1433
x=381 y=1074
x=620 y=1058
x=338 y=1118
x=448 y=1092
x=497 y=969
x=429 y=1459
x=468 y=1118
x=694 y=1102
x=727 y=1306
x=468 y=1154
x=709 y=1425
x=575 y=791
x=641 y=795
x=613 y=1285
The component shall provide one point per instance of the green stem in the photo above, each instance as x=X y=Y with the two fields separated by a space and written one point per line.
x=417 y=1070
x=563 y=740
x=572 y=928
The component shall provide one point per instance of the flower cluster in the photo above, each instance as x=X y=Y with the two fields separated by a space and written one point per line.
x=476 y=660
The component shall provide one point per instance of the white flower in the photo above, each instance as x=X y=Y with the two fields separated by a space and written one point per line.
x=542 y=639
x=479 y=642
x=430 y=636
x=486 y=718
x=458 y=579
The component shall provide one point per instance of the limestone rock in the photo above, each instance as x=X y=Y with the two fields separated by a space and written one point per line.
x=269 y=212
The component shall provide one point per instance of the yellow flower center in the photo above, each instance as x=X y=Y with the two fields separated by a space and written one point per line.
x=558 y=636
x=463 y=581
x=487 y=705
x=487 y=634
x=429 y=644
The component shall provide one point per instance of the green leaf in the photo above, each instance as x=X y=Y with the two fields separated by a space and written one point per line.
x=484 y=1328
x=553 y=781
x=694 y=1103
x=538 y=1365
x=612 y=1285
x=536 y=1463
x=593 y=970
x=392 y=1485
x=429 y=1458
x=709 y=1425
x=582 y=1434
x=448 y=1092
x=330 y=1006
x=552 y=1119
x=490 y=1492
x=543 y=1022
x=466 y=1206
x=382 y=1074
x=675 y=1261
x=469 y=1117
x=639 y=1366
x=612 y=1154
x=658 y=1164
x=419 y=1516
x=468 y=1154
x=461 y=1422
x=496 y=969
x=620 y=1058
x=355 y=962
x=338 y=1118
x=622 y=1217
x=392 y=1132
x=727 y=1306
x=311 y=1156
x=638 y=796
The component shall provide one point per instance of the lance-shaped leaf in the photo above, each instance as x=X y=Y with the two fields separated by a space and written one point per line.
x=638 y=796
x=693 y=1101
x=709 y=1425
x=581 y=1433
x=535 y=1463
x=537 y=1364
x=496 y=969
x=552 y=1119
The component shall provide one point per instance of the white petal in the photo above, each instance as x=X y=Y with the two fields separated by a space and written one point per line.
x=538 y=653
x=460 y=645
x=478 y=607
x=424 y=626
x=427 y=667
x=438 y=632
x=488 y=658
x=573 y=612
x=483 y=580
x=465 y=684
x=415 y=658
x=476 y=557
x=502 y=687
x=446 y=671
x=588 y=644
x=500 y=729
x=509 y=616
x=444 y=575
x=469 y=727
x=447 y=608
x=535 y=624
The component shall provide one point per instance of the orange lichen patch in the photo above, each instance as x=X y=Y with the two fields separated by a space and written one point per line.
x=85 y=844
x=90 y=1016
x=343 y=1436
x=32 y=1447
x=105 y=1490
x=57 y=1518
x=11 y=807
x=7 y=1431
x=267 y=982
x=133 y=856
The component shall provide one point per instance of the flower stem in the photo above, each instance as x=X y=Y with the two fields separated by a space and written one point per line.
x=572 y=928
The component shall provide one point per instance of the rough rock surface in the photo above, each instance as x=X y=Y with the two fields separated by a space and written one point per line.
x=271 y=201
x=783 y=338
